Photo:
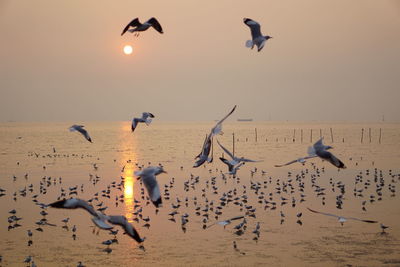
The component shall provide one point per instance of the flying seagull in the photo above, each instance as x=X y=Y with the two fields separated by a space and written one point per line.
x=205 y=152
x=311 y=154
x=76 y=203
x=139 y=27
x=79 y=128
x=320 y=150
x=234 y=160
x=231 y=168
x=341 y=219
x=146 y=118
x=257 y=38
x=129 y=229
x=208 y=142
x=226 y=222
x=217 y=129
x=148 y=177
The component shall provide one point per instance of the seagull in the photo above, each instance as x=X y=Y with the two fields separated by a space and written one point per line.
x=231 y=168
x=234 y=160
x=383 y=227
x=217 y=129
x=300 y=160
x=148 y=176
x=257 y=38
x=139 y=27
x=342 y=219
x=228 y=221
x=79 y=128
x=75 y=203
x=129 y=229
x=320 y=150
x=146 y=118
x=205 y=152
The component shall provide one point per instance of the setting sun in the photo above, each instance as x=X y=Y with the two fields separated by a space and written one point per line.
x=128 y=50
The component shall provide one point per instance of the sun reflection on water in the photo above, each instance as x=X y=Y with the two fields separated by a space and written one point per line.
x=127 y=158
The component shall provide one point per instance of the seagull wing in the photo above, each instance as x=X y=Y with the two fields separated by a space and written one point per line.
x=101 y=223
x=74 y=203
x=84 y=133
x=230 y=166
x=226 y=150
x=145 y=115
x=155 y=24
x=129 y=229
x=150 y=182
x=135 y=122
x=326 y=155
x=318 y=146
x=290 y=162
x=248 y=160
x=323 y=213
x=218 y=127
x=134 y=23
x=254 y=26
x=361 y=220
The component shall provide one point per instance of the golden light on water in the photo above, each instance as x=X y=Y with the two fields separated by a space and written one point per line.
x=128 y=157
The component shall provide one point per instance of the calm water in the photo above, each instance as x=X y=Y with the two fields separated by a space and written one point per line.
x=27 y=148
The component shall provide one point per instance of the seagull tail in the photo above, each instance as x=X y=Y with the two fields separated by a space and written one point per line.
x=148 y=121
x=249 y=43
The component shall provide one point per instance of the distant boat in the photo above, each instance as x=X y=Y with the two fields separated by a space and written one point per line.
x=244 y=119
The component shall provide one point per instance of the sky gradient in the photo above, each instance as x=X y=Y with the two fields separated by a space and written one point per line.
x=327 y=60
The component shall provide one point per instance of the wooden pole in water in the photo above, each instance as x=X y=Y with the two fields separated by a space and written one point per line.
x=301 y=135
x=380 y=135
x=256 y=133
x=362 y=134
x=320 y=133
x=294 y=135
x=233 y=144
x=369 y=132
x=311 y=136
x=331 y=135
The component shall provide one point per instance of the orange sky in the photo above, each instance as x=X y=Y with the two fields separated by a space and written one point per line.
x=328 y=60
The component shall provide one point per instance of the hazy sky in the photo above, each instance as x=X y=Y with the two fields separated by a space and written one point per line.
x=327 y=60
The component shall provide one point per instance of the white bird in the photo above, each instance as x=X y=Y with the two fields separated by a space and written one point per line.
x=148 y=177
x=139 y=27
x=321 y=151
x=257 y=38
x=231 y=168
x=129 y=229
x=217 y=129
x=342 y=219
x=75 y=203
x=300 y=160
x=146 y=118
x=234 y=160
x=205 y=152
x=79 y=128
x=226 y=222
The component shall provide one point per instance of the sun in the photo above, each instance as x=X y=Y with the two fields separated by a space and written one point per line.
x=128 y=49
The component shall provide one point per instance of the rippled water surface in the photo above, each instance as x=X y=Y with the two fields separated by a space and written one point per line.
x=47 y=153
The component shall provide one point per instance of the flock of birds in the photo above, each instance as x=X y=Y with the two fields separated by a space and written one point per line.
x=268 y=194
